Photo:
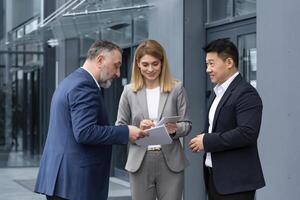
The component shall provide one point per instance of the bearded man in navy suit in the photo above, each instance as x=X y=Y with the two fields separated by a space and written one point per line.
x=76 y=160
x=232 y=168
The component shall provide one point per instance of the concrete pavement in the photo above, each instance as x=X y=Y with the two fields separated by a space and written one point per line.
x=18 y=183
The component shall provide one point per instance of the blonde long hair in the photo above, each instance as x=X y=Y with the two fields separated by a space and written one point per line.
x=152 y=48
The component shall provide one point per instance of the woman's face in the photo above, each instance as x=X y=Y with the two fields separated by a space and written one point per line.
x=150 y=67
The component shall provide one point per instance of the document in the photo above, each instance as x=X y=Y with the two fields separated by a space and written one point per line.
x=157 y=135
x=171 y=119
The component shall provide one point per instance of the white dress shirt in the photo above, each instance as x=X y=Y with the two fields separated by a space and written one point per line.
x=92 y=76
x=219 y=91
x=152 y=104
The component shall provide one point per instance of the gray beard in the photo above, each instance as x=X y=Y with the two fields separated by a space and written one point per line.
x=104 y=81
x=105 y=84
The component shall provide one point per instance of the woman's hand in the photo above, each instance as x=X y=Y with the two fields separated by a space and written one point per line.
x=146 y=124
x=171 y=128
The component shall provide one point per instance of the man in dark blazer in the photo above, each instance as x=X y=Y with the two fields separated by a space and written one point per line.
x=76 y=160
x=232 y=168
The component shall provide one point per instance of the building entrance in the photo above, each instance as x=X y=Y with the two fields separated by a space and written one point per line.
x=20 y=140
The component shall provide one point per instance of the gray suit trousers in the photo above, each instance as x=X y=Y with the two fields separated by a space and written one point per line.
x=154 y=179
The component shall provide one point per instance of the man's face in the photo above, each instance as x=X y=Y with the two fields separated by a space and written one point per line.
x=111 y=64
x=217 y=68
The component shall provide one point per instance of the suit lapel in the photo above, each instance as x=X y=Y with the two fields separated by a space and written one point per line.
x=211 y=99
x=212 y=96
x=162 y=102
x=141 y=96
x=225 y=97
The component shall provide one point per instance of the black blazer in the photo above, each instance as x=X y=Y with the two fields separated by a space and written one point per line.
x=233 y=141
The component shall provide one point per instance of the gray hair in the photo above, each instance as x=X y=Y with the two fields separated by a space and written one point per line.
x=100 y=46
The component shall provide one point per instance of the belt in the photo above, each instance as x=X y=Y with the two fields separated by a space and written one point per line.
x=153 y=148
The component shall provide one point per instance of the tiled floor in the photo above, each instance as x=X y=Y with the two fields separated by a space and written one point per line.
x=18 y=173
x=18 y=183
x=10 y=189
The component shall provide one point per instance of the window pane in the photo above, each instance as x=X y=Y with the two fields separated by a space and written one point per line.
x=20 y=56
x=217 y=9
x=244 y=7
x=31 y=59
x=247 y=58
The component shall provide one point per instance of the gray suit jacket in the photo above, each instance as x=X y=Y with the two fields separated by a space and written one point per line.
x=133 y=109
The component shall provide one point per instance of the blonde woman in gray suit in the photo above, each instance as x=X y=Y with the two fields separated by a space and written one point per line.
x=155 y=171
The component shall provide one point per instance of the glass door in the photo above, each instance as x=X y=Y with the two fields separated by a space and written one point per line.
x=20 y=142
x=31 y=136
x=247 y=59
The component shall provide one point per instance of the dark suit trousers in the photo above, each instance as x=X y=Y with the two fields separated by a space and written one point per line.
x=54 y=198
x=214 y=195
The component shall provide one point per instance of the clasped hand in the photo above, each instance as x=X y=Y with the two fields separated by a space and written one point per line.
x=196 y=144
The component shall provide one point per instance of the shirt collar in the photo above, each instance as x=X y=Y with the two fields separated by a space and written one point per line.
x=92 y=76
x=221 y=88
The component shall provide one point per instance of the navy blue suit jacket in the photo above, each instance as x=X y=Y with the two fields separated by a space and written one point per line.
x=76 y=160
x=233 y=141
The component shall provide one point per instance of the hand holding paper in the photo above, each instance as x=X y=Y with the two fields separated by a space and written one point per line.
x=147 y=124
x=171 y=127
x=159 y=134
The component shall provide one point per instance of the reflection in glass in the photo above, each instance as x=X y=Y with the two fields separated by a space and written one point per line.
x=217 y=9
x=140 y=28
x=13 y=57
x=244 y=7
x=119 y=31
x=124 y=27
x=20 y=56
x=248 y=57
x=31 y=59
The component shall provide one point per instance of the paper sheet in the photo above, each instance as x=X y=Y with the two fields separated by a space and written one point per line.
x=157 y=135
x=170 y=119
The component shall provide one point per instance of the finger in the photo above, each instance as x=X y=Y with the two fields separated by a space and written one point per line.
x=193 y=145
x=192 y=141
x=170 y=126
x=141 y=136
x=195 y=149
x=149 y=124
x=145 y=133
x=146 y=127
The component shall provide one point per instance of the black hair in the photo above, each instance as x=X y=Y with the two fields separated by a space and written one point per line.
x=224 y=48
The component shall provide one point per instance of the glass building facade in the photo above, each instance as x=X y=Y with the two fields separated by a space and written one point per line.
x=49 y=39
x=42 y=45
x=42 y=41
